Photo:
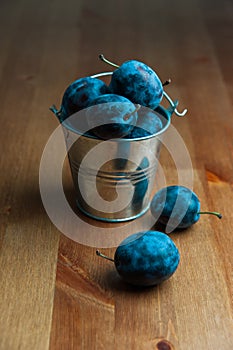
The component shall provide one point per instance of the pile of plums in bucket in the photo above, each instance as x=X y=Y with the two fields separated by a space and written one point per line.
x=150 y=257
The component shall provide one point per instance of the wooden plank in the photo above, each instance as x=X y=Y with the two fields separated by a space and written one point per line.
x=29 y=242
x=79 y=297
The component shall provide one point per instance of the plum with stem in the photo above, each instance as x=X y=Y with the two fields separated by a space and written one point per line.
x=111 y=116
x=147 y=89
x=177 y=207
x=136 y=81
x=145 y=258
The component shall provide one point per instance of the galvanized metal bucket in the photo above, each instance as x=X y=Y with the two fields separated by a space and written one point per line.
x=113 y=179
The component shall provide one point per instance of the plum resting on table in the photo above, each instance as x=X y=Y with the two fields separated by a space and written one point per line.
x=187 y=212
x=146 y=258
x=111 y=116
x=80 y=94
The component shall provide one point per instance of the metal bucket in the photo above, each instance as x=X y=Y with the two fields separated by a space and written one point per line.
x=113 y=179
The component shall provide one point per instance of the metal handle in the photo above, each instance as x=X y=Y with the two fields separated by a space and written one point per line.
x=172 y=103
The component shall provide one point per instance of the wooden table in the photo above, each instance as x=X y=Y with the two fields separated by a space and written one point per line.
x=56 y=293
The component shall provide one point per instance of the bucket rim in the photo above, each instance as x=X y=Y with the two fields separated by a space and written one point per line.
x=160 y=110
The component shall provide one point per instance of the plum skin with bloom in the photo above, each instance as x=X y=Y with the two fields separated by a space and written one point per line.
x=111 y=116
x=138 y=82
x=80 y=94
x=148 y=123
x=146 y=258
x=185 y=215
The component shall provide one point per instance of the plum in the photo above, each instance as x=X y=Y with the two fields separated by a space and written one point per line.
x=80 y=94
x=145 y=258
x=148 y=123
x=111 y=116
x=138 y=82
x=186 y=213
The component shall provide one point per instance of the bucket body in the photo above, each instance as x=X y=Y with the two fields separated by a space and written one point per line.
x=113 y=179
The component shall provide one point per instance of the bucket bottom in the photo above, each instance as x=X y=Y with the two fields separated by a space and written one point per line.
x=109 y=219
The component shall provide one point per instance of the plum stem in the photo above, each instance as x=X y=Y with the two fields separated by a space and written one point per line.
x=102 y=58
x=127 y=116
x=167 y=82
x=103 y=256
x=212 y=213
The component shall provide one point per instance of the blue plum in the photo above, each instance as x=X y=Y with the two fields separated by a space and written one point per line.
x=111 y=116
x=80 y=94
x=148 y=123
x=146 y=258
x=138 y=82
x=177 y=207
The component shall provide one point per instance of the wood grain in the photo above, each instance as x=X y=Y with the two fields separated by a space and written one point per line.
x=56 y=293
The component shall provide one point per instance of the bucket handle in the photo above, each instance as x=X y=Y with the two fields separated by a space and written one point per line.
x=172 y=109
x=56 y=112
x=173 y=104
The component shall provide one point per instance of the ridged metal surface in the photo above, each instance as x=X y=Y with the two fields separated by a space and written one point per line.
x=102 y=170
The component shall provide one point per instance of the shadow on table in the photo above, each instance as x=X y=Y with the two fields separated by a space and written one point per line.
x=116 y=284
x=26 y=203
